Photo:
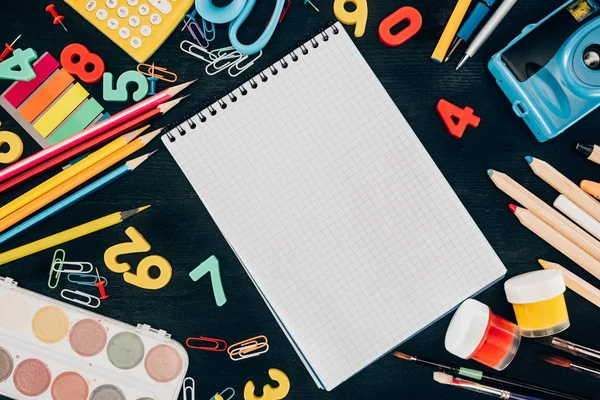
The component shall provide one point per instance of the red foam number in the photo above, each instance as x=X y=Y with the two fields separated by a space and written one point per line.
x=415 y=21
x=79 y=61
x=457 y=119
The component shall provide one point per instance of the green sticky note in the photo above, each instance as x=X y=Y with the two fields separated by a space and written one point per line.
x=77 y=122
x=211 y=265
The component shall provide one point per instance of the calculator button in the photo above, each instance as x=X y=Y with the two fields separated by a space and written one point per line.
x=124 y=33
x=144 y=9
x=123 y=12
x=134 y=21
x=111 y=3
x=155 y=19
x=133 y=3
x=161 y=5
x=135 y=42
x=101 y=14
x=91 y=5
x=113 y=23
x=145 y=30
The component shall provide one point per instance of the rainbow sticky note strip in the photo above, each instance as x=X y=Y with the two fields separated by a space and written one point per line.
x=52 y=106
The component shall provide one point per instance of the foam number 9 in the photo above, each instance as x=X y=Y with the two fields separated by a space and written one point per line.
x=119 y=93
x=269 y=392
x=79 y=61
x=357 y=17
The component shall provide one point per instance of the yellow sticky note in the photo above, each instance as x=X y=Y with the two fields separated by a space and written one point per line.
x=60 y=110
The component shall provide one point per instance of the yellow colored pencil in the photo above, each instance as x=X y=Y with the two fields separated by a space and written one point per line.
x=450 y=30
x=77 y=180
x=68 y=235
x=575 y=283
x=69 y=172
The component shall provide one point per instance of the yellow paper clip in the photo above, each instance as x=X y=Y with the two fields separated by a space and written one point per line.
x=149 y=70
x=248 y=348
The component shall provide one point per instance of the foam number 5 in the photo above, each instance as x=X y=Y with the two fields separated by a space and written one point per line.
x=120 y=93
x=79 y=61
x=357 y=17
x=22 y=60
x=269 y=392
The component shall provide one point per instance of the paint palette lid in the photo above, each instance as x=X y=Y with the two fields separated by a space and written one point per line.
x=467 y=328
x=535 y=286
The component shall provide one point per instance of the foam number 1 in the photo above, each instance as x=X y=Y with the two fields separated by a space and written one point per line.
x=120 y=93
x=269 y=392
x=18 y=66
x=357 y=17
x=211 y=265
x=79 y=61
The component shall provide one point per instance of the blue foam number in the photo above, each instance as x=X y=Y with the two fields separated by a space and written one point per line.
x=21 y=59
x=211 y=265
x=219 y=15
x=120 y=93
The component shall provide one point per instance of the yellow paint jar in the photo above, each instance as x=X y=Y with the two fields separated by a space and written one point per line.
x=539 y=302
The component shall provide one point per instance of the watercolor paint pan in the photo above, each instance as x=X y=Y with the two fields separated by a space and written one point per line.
x=53 y=350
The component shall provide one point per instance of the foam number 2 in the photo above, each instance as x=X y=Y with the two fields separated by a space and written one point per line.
x=456 y=119
x=269 y=392
x=142 y=278
x=18 y=66
x=211 y=265
x=357 y=17
x=79 y=61
x=120 y=93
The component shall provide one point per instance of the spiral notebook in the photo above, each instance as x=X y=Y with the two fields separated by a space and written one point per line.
x=340 y=217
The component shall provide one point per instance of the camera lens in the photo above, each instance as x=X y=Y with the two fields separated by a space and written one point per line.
x=591 y=57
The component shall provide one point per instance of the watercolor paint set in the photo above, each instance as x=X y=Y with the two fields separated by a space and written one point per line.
x=52 y=350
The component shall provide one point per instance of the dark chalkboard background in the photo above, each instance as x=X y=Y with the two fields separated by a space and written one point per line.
x=180 y=229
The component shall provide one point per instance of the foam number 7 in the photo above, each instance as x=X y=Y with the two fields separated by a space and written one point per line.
x=120 y=93
x=269 y=392
x=211 y=265
x=22 y=60
x=357 y=17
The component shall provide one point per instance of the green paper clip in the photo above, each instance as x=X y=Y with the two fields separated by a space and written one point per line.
x=56 y=271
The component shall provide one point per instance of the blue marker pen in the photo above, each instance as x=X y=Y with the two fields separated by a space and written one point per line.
x=470 y=25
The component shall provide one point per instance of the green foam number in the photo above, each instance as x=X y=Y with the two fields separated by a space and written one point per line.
x=211 y=265
x=120 y=93
x=22 y=60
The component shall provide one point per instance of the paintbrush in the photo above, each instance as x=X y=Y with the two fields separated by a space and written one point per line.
x=566 y=363
x=572 y=348
x=479 y=376
x=446 y=379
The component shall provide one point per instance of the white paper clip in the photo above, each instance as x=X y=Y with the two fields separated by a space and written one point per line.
x=236 y=66
x=222 y=394
x=189 y=389
x=194 y=50
x=82 y=298
x=83 y=267
x=224 y=62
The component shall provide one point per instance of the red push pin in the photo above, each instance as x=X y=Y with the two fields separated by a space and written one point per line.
x=8 y=49
x=58 y=19
x=100 y=286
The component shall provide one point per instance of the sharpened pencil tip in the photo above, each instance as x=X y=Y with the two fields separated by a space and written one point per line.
x=148 y=137
x=136 y=162
x=133 y=134
x=176 y=89
x=529 y=159
x=132 y=212
x=543 y=263
x=140 y=209
x=490 y=172
x=512 y=208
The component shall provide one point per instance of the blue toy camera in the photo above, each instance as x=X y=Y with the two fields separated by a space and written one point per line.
x=551 y=71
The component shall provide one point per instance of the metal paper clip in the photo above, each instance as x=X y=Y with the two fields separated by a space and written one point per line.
x=152 y=71
x=85 y=279
x=89 y=300
x=248 y=348
x=190 y=17
x=236 y=66
x=81 y=264
x=222 y=394
x=196 y=31
x=206 y=31
x=227 y=60
x=58 y=257
x=189 y=389
x=219 y=344
x=194 y=50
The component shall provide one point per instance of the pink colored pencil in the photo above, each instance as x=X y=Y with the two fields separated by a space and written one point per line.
x=91 y=132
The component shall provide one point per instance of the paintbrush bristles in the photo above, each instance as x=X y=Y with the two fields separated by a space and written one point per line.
x=557 y=360
x=443 y=378
x=403 y=356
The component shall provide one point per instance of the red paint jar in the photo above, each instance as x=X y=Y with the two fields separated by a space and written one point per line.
x=475 y=332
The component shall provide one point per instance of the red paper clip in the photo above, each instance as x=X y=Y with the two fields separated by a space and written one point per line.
x=217 y=342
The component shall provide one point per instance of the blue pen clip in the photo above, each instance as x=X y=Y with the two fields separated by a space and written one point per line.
x=219 y=15
x=264 y=38
x=85 y=279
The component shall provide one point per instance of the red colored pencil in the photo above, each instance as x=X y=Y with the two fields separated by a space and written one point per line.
x=91 y=132
x=82 y=148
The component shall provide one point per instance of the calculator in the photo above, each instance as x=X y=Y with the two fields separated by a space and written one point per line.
x=137 y=26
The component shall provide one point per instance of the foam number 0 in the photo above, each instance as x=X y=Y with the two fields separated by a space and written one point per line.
x=455 y=118
x=120 y=93
x=79 y=61
x=15 y=147
x=357 y=17
x=22 y=60
x=269 y=392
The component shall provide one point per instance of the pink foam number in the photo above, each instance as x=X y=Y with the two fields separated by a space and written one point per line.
x=19 y=91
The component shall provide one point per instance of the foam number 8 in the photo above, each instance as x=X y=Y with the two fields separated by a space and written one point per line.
x=120 y=92
x=22 y=60
x=269 y=392
x=357 y=17
x=79 y=61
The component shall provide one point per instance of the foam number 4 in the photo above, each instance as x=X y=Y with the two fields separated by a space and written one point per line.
x=269 y=392
x=18 y=66
x=457 y=119
x=79 y=61
x=120 y=93
x=357 y=17
x=211 y=265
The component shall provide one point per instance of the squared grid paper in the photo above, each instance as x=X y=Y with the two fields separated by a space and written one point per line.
x=340 y=217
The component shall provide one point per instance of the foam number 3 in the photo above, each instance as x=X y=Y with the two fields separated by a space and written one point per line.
x=79 y=61
x=18 y=66
x=120 y=93
x=211 y=265
x=269 y=392
x=357 y=17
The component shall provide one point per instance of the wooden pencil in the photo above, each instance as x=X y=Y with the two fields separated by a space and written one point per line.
x=76 y=180
x=68 y=235
x=575 y=283
x=557 y=240
x=590 y=187
x=564 y=186
x=549 y=215
x=589 y=151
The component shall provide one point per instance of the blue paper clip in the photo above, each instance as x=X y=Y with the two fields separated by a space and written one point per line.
x=222 y=394
x=219 y=15
x=85 y=279
x=264 y=38
x=206 y=30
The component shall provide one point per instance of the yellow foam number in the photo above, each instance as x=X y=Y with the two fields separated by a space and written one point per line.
x=143 y=279
x=269 y=392
x=15 y=147
x=138 y=245
x=357 y=17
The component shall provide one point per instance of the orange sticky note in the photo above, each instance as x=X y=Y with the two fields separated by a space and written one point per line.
x=46 y=94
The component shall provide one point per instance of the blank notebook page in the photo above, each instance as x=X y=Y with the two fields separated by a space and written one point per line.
x=339 y=215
